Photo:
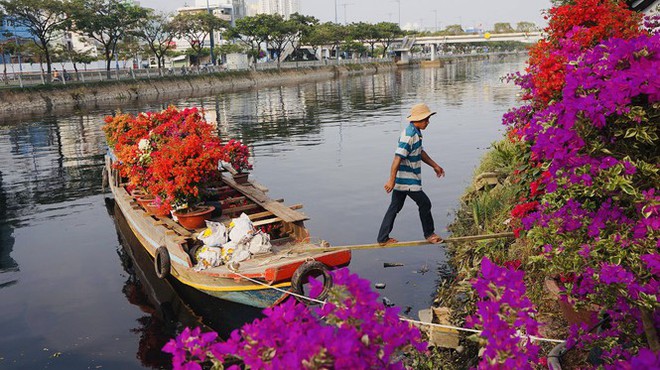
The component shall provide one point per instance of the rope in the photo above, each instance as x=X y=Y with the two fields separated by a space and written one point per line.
x=532 y=337
x=280 y=290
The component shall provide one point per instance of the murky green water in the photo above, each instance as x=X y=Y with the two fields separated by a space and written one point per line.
x=71 y=295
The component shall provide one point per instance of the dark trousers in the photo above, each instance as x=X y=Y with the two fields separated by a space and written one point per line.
x=398 y=198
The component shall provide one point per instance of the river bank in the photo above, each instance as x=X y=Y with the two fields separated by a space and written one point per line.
x=60 y=98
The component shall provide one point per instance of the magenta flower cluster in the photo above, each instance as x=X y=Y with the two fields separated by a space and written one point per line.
x=506 y=316
x=352 y=330
x=598 y=219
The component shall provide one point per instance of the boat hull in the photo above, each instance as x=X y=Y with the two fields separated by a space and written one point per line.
x=255 y=284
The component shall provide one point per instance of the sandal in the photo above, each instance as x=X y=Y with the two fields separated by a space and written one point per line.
x=434 y=239
x=388 y=242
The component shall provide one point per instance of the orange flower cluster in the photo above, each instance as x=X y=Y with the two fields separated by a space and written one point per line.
x=170 y=153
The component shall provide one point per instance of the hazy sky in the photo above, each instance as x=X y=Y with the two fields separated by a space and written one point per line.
x=413 y=12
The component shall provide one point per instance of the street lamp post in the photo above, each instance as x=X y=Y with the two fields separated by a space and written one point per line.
x=336 y=12
x=435 y=12
x=211 y=36
x=345 y=18
x=399 y=3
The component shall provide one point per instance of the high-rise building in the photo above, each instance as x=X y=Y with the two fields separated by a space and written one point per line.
x=282 y=7
x=229 y=10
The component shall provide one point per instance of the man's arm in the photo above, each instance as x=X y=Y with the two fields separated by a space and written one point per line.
x=393 y=170
x=438 y=170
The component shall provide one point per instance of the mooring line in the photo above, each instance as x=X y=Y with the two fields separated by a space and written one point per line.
x=279 y=289
x=532 y=337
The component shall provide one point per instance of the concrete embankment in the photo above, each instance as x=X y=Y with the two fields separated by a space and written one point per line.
x=57 y=98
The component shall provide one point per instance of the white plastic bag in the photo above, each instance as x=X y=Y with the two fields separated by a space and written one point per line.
x=240 y=227
x=208 y=257
x=215 y=234
x=260 y=243
x=240 y=255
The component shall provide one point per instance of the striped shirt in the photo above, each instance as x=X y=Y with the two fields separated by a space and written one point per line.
x=409 y=175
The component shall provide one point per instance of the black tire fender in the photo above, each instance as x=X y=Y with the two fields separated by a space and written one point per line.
x=301 y=276
x=162 y=263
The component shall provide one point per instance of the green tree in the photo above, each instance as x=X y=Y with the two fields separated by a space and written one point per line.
x=454 y=29
x=502 y=27
x=229 y=48
x=281 y=33
x=129 y=48
x=303 y=25
x=195 y=28
x=322 y=34
x=158 y=33
x=526 y=27
x=387 y=32
x=252 y=31
x=359 y=32
x=44 y=19
x=354 y=47
x=106 y=22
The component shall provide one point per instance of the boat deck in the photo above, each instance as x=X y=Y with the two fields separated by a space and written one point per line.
x=291 y=244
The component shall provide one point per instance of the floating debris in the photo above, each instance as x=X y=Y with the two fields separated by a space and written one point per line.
x=387 y=302
x=424 y=269
x=380 y=285
x=392 y=264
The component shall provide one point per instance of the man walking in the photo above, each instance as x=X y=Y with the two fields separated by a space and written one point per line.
x=406 y=177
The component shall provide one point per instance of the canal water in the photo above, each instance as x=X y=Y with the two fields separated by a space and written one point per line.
x=75 y=293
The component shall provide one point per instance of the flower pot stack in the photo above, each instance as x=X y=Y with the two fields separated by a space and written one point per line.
x=170 y=156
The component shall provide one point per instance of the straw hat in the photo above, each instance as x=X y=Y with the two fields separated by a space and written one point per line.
x=419 y=112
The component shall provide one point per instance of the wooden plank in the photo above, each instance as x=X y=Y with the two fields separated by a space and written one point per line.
x=175 y=226
x=239 y=209
x=284 y=212
x=416 y=243
x=256 y=216
x=277 y=208
x=233 y=200
x=266 y=221
x=260 y=187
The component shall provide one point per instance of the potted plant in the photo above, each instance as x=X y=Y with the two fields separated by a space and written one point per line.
x=187 y=157
x=171 y=154
x=237 y=154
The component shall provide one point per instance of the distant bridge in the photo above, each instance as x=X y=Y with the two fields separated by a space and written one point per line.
x=407 y=43
x=528 y=37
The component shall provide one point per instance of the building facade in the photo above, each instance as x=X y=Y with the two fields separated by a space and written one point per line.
x=283 y=7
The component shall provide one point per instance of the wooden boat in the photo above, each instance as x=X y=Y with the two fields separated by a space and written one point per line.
x=251 y=281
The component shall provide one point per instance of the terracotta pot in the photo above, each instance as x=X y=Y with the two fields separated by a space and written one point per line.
x=155 y=210
x=587 y=315
x=138 y=193
x=195 y=219
x=144 y=200
x=241 y=178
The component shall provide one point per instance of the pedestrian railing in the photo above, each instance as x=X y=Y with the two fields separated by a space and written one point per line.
x=27 y=79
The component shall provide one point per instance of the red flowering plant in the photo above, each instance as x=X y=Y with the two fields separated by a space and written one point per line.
x=170 y=153
x=237 y=154
x=187 y=157
x=126 y=134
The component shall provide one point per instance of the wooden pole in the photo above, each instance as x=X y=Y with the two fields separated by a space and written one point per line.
x=414 y=243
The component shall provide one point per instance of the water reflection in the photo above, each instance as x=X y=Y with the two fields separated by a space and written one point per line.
x=327 y=145
x=49 y=162
x=168 y=307
x=7 y=264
